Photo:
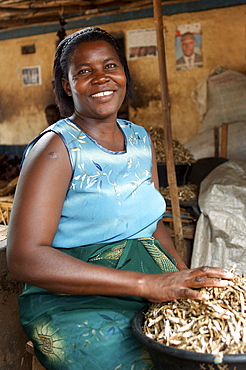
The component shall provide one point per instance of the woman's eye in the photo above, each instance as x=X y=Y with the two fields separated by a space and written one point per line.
x=84 y=71
x=110 y=65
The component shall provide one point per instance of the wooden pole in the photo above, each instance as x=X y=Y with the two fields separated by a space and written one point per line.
x=171 y=174
x=216 y=141
x=224 y=136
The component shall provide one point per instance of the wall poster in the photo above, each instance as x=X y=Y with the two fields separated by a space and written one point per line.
x=141 y=43
x=188 y=46
x=31 y=76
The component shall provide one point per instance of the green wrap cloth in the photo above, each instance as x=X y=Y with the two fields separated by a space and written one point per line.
x=81 y=332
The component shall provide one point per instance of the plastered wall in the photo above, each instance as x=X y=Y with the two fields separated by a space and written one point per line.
x=22 y=107
x=223 y=43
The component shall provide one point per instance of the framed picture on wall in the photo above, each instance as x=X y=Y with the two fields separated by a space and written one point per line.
x=188 y=46
x=141 y=43
x=31 y=76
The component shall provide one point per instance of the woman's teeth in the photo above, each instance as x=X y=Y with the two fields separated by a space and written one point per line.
x=103 y=93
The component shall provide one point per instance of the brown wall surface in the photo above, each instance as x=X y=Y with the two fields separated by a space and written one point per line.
x=223 y=43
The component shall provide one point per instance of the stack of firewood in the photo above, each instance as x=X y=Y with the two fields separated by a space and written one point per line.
x=9 y=173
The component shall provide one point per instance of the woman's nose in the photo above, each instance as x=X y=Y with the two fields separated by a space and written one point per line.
x=100 y=77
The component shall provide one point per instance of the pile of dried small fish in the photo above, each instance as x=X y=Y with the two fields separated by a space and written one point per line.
x=214 y=326
x=180 y=154
x=185 y=192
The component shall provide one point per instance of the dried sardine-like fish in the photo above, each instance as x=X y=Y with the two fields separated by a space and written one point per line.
x=180 y=154
x=217 y=325
x=185 y=192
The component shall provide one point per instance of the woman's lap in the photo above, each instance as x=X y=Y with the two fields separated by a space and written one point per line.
x=92 y=332
x=83 y=339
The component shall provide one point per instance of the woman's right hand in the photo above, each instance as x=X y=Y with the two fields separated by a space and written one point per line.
x=183 y=284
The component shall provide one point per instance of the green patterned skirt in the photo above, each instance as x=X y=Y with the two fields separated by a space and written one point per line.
x=81 y=332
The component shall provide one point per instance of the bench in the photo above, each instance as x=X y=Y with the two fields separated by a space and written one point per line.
x=35 y=363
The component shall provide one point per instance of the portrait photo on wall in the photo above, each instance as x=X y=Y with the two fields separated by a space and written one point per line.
x=188 y=46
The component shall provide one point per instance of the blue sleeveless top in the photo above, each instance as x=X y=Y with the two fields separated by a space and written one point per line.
x=110 y=196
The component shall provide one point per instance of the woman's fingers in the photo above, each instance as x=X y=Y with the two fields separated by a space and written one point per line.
x=215 y=272
x=185 y=283
x=202 y=281
x=192 y=294
x=209 y=277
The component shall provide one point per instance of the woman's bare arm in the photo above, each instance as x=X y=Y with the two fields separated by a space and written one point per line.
x=39 y=198
x=35 y=216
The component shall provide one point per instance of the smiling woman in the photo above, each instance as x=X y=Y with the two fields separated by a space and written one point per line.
x=86 y=234
x=96 y=82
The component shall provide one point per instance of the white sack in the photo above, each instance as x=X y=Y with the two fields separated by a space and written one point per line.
x=220 y=237
x=220 y=98
x=202 y=145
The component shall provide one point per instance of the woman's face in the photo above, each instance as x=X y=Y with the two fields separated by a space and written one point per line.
x=96 y=80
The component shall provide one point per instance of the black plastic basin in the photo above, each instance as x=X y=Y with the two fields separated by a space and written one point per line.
x=170 y=358
x=181 y=169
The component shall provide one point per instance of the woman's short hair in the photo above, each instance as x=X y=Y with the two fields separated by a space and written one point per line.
x=63 y=55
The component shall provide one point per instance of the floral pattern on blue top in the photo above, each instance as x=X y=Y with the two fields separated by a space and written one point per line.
x=106 y=187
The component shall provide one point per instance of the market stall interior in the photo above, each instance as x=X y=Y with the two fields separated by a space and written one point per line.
x=202 y=185
x=173 y=173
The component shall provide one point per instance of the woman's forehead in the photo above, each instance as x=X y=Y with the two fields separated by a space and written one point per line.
x=91 y=50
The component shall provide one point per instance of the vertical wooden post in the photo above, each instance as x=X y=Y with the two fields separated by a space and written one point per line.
x=224 y=136
x=216 y=141
x=171 y=174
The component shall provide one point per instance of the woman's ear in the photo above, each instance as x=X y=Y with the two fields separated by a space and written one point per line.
x=66 y=87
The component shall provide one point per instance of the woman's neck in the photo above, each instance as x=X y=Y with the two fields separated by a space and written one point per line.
x=106 y=133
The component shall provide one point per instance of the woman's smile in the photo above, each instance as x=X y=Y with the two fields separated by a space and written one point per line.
x=101 y=94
